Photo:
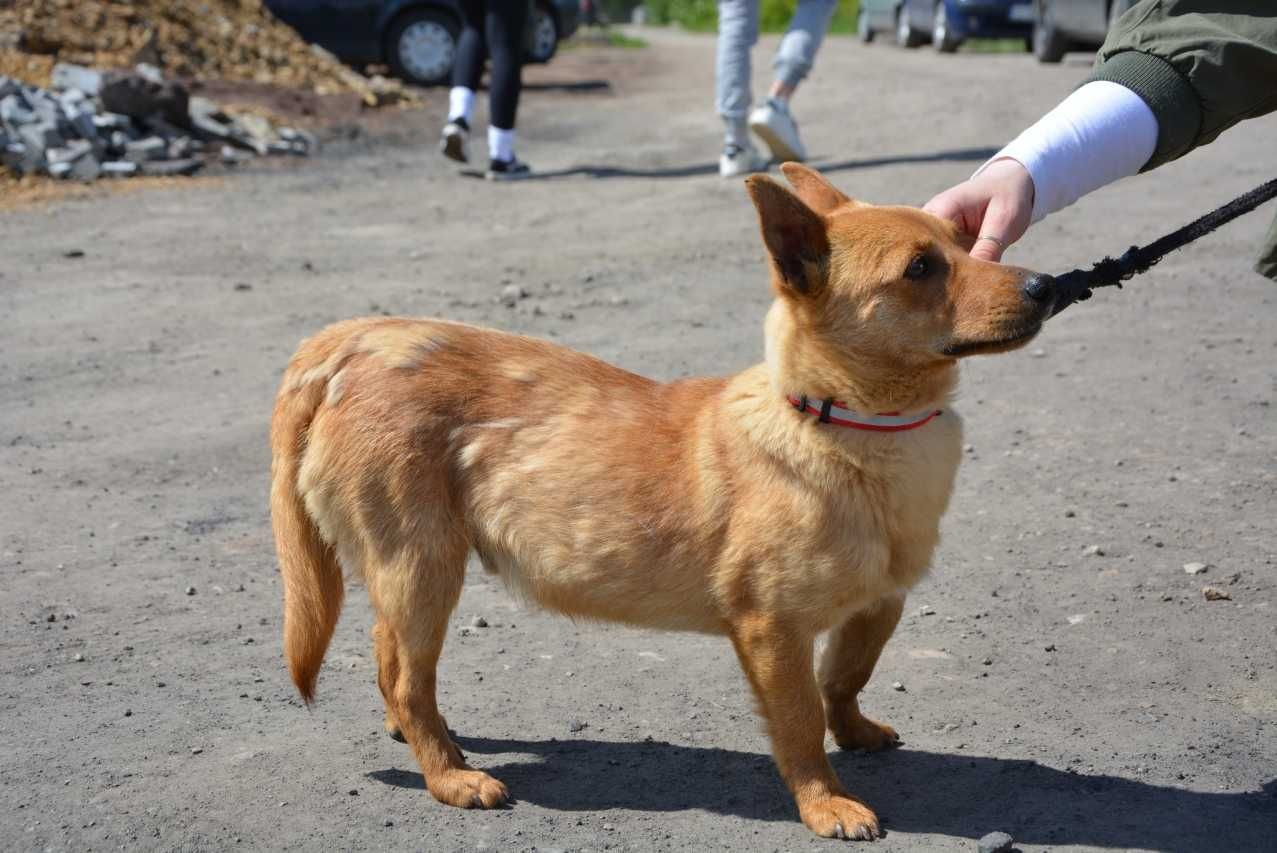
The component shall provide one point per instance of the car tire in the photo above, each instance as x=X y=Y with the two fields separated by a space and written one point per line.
x=1049 y=45
x=864 y=31
x=906 y=35
x=421 y=46
x=543 y=35
x=941 y=36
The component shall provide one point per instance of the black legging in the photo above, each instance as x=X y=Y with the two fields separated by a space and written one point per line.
x=504 y=22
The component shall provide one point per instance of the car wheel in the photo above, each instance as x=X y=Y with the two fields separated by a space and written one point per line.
x=543 y=41
x=941 y=36
x=1049 y=45
x=421 y=46
x=906 y=35
x=864 y=32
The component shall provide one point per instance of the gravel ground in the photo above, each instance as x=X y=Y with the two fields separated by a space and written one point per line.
x=1065 y=679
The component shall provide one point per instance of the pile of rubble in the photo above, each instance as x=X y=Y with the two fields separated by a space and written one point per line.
x=233 y=40
x=93 y=124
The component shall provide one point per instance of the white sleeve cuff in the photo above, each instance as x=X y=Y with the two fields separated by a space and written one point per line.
x=1101 y=132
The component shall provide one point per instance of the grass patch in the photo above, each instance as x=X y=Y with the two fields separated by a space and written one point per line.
x=994 y=46
x=773 y=15
x=615 y=39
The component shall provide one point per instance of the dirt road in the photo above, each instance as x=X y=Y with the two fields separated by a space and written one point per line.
x=1071 y=684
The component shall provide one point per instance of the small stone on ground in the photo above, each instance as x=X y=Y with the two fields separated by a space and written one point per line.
x=996 y=842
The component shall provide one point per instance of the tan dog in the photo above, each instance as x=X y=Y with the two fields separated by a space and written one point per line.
x=731 y=506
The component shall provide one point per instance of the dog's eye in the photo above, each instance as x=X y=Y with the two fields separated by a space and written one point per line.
x=918 y=268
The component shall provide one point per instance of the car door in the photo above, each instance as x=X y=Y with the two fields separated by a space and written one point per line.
x=344 y=27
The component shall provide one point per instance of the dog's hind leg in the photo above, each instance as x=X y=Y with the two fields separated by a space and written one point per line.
x=384 y=646
x=413 y=604
x=845 y=667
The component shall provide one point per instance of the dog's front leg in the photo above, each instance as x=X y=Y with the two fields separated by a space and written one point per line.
x=845 y=667
x=777 y=658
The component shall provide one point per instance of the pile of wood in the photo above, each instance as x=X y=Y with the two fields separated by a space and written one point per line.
x=233 y=40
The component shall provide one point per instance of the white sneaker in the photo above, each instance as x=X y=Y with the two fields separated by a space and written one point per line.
x=773 y=123
x=737 y=160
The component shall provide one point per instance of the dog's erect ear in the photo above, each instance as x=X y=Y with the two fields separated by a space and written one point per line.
x=794 y=235
x=811 y=186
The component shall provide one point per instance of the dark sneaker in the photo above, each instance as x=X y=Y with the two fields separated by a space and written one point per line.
x=456 y=135
x=508 y=170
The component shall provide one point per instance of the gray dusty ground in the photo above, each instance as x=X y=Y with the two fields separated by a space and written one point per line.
x=1119 y=709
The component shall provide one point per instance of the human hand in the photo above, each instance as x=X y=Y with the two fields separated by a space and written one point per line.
x=994 y=206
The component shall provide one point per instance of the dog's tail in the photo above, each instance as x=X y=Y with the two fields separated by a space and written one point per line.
x=313 y=587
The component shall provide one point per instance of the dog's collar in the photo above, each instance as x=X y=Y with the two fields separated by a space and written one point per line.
x=830 y=411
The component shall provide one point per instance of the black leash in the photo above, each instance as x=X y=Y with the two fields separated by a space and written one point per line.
x=1075 y=286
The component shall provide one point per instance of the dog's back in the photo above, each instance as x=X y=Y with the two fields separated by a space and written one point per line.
x=394 y=436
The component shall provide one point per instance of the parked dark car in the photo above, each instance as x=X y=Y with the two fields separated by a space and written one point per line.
x=1063 y=25
x=416 y=38
x=945 y=23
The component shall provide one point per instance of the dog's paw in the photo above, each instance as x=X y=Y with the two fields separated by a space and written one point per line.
x=467 y=789
x=840 y=817
x=860 y=732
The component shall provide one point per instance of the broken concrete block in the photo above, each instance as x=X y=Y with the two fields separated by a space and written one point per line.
x=86 y=169
x=112 y=121
x=142 y=150
x=138 y=97
x=184 y=146
x=68 y=76
x=74 y=99
x=15 y=111
x=40 y=137
x=188 y=166
x=83 y=124
x=303 y=142
x=69 y=153
x=149 y=72
x=233 y=156
x=120 y=168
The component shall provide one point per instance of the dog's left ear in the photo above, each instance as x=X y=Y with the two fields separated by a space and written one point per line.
x=811 y=186
x=794 y=234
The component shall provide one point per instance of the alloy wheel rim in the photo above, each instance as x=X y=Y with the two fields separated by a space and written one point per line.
x=427 y=49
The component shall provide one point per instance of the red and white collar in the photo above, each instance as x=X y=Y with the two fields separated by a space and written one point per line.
x=830 y=411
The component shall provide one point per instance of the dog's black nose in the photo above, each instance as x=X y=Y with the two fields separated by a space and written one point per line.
x=1039 y=287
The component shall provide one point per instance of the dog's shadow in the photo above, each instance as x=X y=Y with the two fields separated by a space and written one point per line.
x=912 y=790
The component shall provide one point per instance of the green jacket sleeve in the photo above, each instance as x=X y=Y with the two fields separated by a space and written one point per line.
x=1200 y=71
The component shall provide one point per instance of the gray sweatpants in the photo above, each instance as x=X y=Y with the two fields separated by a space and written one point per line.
x=738 y=32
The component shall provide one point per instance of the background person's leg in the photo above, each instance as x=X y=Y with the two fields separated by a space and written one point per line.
x=466 y=73
x=471 y=56
x=506 y=27
x=737 y=33
x=797 y=51
x=506 y=23
x=794 y=59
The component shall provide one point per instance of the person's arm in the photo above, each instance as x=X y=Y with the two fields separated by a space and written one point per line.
x=1196 y=74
